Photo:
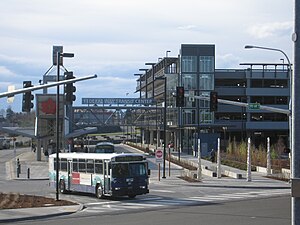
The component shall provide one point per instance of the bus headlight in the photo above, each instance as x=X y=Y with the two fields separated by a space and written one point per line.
x=142 y=187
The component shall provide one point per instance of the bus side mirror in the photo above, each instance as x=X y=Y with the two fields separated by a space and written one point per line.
x=149 y=172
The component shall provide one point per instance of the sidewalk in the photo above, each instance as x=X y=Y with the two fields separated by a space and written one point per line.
x=39 y=170
x=13 y=215
x=231 y=177
x=30 y=168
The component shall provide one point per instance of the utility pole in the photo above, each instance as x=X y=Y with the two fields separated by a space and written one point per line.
x=296 y=121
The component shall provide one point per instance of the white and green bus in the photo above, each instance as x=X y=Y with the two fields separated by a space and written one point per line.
x=124 y=174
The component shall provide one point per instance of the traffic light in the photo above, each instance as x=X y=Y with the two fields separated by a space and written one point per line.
x=213 y=101
x=69 y=88
x=27 y=98
x=179 y=96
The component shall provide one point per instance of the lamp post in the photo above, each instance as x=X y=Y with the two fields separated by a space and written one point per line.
x=152 y=64
x=290 y=77
x=296 y=119
x=167 y=52
x=140 y=79
x=293 y=118
x=146 y=82
x=59 y=57
x=165 y=124
x=146 y=96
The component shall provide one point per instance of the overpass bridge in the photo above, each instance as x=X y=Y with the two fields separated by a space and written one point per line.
x=110 y=113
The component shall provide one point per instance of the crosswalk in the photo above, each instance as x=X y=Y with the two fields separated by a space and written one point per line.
x=154 y=202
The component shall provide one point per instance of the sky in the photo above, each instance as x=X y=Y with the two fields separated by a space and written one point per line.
x=115 y=38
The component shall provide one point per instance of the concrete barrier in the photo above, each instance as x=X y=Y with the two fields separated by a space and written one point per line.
x=261 y=169
x=193 y=173
x=208 y=170
x=286 y=173
x=232 y=174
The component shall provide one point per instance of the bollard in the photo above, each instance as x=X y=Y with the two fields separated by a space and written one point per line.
x=18 y=168
x=19 y=165
x=28 y=173
x=249 y=178
x=18 y=171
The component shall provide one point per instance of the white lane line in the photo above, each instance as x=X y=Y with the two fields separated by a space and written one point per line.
x=98 y=203
x=165 y=191
x=209 y=198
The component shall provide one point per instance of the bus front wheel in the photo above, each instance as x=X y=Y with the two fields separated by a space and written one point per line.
x=131 y=195
x=99 y=191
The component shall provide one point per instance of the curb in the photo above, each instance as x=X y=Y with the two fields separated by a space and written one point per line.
x=46 y=215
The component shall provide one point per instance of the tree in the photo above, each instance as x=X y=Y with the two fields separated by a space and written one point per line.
x=9 y=114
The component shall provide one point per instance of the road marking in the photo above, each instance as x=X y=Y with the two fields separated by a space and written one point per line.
x=98 y=203
x=147 y=203
x=165 y=191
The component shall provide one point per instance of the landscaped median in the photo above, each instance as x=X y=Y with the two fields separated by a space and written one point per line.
x=16 y=201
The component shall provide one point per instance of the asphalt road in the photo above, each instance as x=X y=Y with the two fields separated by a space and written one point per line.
x=267 y=211
x=170 y=201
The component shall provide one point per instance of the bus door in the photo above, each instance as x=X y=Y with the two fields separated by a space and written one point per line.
x=106 y=174
x=69 y=169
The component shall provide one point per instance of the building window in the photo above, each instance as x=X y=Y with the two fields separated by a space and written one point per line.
x=206 y=82
x=270 y=100
x=205 y=116
x=189 y=81
x=273 y=117
x=189 y=63
x=204 y=103
x=269 y=83
x=189 y=116
x=230 y=83
x=207 y=64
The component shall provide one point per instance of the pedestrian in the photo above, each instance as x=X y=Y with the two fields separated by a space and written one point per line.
x=213 y=156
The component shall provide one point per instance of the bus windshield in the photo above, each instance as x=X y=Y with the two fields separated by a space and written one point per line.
x=104 y=148
x=128 y=170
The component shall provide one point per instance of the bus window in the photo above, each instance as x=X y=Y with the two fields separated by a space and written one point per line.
x=137 y=169
x=75 y=165
x=98 y=166
x=82 y=165
x=63 y=164
x=120 y=170
x=90 y=166
x=55 y=168
x=104 y=147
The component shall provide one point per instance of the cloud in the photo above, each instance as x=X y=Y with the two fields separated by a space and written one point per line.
x=268 y=30
x=187 y=27
x=6 y=72
x=227 y=61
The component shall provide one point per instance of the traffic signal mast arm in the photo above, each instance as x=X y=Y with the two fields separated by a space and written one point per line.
x=53 y=84
x=242 y=104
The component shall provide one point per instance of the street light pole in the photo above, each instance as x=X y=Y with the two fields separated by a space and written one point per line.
x=296 y=120
x=165 y=123
x=59 y=55
x=167 y=53
x=290 y=77
x=165 y=129
x=294 y=108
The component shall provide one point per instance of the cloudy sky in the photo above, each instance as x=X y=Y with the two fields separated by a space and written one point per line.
x=114 y=38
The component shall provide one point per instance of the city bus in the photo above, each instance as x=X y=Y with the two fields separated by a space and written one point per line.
x=104 y=147
x=123 y=174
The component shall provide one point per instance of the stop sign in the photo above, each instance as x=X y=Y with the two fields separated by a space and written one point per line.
x=158 y=155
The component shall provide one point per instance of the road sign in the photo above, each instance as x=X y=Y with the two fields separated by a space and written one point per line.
x=254 y=106
x=159 y=155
